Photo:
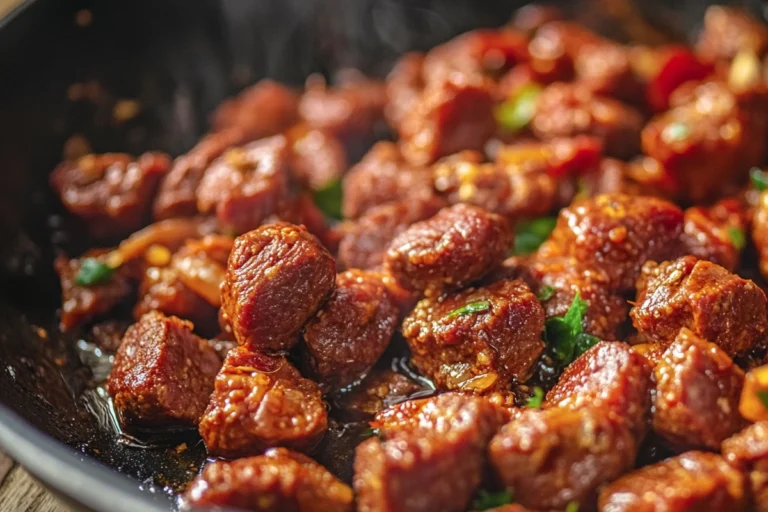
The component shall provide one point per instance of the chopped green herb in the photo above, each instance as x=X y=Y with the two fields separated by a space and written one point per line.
x=534 y=401
x=737 y=237
x=762 y=395
x=480 y=306
x=545 y=293
x=487 y=500
x=675 y=132
x=573 y=506
x=531 y=234
x=328 y=199
x=566 y=333
x=515 y=113
x=369 y=432
x=759 y=179
x=93 y=271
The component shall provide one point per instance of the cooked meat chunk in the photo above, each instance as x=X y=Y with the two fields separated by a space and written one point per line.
x=479 y=339
x=177 y=196
x=81 y=303
x=557 y=456
x=379 y=390
x=617 y=234
x=112 y=192
x=382 y=176
x=694 y=481
x=264 y=109
x=452 y=114
x=610 y=376
x=404 y=85
x=748 y=451
x=268 y=269
x=752 y=404
x=317 y=158
x=258 y=402
x=729 y=30
x=350 y=332
x=107 y=335
x=163 y=374
x=452 y=249
x=696 y=399
x=278 y=481
x=413 y=467
x=567 y=110
x=558 y=158
x=246 y=184
x=713 y=303
x=716 y=233
x=366 y=239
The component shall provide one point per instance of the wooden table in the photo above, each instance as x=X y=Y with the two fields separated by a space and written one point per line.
x=19 y=492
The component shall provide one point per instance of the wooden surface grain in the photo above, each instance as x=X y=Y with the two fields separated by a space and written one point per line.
x=19 y=492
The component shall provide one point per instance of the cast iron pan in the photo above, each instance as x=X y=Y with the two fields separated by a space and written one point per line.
x=178 y=59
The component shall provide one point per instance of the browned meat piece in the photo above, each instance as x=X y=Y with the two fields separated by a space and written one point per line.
x=107 y=335
x=729 y=30
x=260 y=401
x=246 y=184
x=301 y=209
x=707 y=142
x=349 y=110
x=317 y=157
x=380 y=177
x=380 y=389
x=112 y=192
x=177 y=196
x=366 y=239
x=610 y=376
x=557 y=456
x=713 y=303
x=452 y=114
x=269 y=269
x=479 y=339
x=559 y=158
x=81 y=303
x=415 y=466
x=748 y=451
x=616 y=233
x=760 y=232
x=264 y=109
x=350 y=332
x=278 y=481
x=694 y=481
x=455 y=247
x=697 y=394
x=567 y=277
x=566 y=110
x=163 y=374
x=404 y=85
x=716 y=233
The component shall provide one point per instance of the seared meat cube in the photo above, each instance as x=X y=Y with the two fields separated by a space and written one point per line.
x=557 y=456
x=457 y=246
x=748 y=451
x=350 y=332
x=728 y=31
x=567 y=110
x=379 y=390
x=258 y=402
x=112 y=192
x=716 y=233
x=317 y=158
x=452 y=114
x=430 y=457
x=611 y=376
x=693 y=481
x=707 y=299
x=404 y=85
x=81 y=303
x=261 y=110
x=163 y=374
x=278 y=276
x=366 y=239
x=380 y=177
x=278 y=481
x=177 y=196
x=617 y=234
x=696 y=401
x=479 y=339
x=247 y=184
x=707 y=142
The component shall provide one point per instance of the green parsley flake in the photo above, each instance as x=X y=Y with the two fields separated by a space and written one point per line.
x=534 y=401
x=480 y=306
x=328 y=199
x=487 y=500
x=93 y=272
x=529 y=235
x=566 y=333
x=369 y=432
x=762 y=395
x=516 y=113
x=737 y=237
x=545 y=293
x=759 y=179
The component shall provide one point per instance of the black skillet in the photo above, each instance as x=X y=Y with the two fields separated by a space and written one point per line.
x=178 y=59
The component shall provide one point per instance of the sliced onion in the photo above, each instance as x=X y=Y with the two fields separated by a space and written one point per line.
x=202 y=275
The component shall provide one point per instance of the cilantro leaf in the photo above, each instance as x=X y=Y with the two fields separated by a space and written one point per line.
x=328 y=199
x=514 y=114
x=534 y=401
x=566 y=333
x=487 y=500
x=480 y=306
x=529 y=235
x=737 y=237
x=545 y=293
x=369 y=432
x=762 y=395
x=759 y=179
x=93 y=271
